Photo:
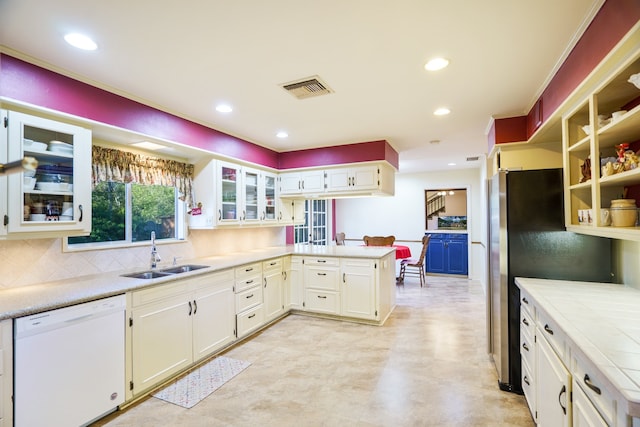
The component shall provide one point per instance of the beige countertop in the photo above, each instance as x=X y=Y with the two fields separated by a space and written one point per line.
x=26 y=300
x=602 y=323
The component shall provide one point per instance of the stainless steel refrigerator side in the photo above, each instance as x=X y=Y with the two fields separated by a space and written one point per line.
x=498 y=295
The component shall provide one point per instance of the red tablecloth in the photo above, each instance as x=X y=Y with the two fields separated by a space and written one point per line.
x=402 y=251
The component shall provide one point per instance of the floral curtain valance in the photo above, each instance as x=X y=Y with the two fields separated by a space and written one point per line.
x=121 y=166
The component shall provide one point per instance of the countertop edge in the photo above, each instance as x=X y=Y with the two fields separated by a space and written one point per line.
x=31 y=299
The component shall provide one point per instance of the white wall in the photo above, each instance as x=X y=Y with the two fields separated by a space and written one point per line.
x=403 y=215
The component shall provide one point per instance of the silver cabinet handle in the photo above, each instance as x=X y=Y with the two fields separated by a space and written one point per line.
x=563 y=390
x=525 y=346
x=548 y=330
x=525 y=321
x=81 y=213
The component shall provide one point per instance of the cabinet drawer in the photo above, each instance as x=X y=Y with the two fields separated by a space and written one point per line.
x=322 y=302
x=248 y=298
x=250 y=320
x=248 y=270
x=526 y=304
x=212 y=279
x=584 y=413
x=320 y=277
x=554 y=335
x=158 y=292
x=591 y=383
x=529 y=386
x=248 y=282
x=272 y=265
x=322 y=261
x=527 y=344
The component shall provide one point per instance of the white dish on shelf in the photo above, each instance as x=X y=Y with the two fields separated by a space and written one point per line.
x=37 y=217
x=66 y=217
x=31 y=145
x=52 y=186
x=28 y=183
x=635 y=80
x=60 y=147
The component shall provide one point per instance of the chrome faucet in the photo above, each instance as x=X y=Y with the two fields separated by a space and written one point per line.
x=155 y=258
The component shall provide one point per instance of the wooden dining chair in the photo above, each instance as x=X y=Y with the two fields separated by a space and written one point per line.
x=415 y=267
x=379 y=240
x=340 y=239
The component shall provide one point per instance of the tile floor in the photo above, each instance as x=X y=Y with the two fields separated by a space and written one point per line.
x=427 y=366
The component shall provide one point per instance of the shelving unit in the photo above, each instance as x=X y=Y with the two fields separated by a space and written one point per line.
x=613 y=94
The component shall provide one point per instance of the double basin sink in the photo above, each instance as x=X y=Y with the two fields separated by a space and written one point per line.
x=152 y=274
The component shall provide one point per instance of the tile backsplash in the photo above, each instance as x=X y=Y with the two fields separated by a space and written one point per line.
x=31 y=261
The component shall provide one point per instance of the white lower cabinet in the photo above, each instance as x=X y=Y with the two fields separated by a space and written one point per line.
x=249 y=298
x=321 y=284
x=175 y=325
x=6 y=373
x=553 y=386
x=358 y=288
x=273 y=292
x=294 y=283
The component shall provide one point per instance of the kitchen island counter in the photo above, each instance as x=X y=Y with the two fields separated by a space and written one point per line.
x=26 y=300
x=601 y=324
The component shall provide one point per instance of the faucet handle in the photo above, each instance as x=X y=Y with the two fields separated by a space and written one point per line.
x=175 y=260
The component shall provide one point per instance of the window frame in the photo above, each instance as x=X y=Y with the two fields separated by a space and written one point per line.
x=309 y=225
x=181 y=229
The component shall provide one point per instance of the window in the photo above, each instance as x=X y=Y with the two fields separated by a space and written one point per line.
x=315 y=230
x=128 y=213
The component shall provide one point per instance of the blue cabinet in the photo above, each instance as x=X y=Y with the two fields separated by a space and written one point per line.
x=447 y=254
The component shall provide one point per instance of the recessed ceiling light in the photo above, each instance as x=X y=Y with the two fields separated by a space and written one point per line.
x=282 y=134
x=451 y=164
x=224 y=108
x=436 y=64
x=80 y=41
x=442 y=111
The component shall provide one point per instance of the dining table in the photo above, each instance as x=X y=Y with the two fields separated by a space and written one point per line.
x=402 y=251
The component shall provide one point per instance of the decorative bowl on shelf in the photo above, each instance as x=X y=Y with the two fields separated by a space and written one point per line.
x=635 y=80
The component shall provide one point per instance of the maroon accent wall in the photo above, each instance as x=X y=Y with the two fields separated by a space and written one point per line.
x=352 y=153
x=612 y=22
x=35 y=85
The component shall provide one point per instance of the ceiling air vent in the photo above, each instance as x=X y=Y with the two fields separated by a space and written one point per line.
x=306 y=88
x=472 y=159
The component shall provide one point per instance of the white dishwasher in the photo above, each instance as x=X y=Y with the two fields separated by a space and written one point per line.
x=69 y=364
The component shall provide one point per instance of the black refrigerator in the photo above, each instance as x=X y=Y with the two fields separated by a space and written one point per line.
x=528 y=238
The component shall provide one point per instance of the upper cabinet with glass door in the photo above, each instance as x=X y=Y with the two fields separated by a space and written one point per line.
x=56 y=200
x=229 y=193
x=269 y=197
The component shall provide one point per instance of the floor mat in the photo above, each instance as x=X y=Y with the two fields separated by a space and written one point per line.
x=191 y=389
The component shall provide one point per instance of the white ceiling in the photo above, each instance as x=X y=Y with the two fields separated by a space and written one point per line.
x=185 y=57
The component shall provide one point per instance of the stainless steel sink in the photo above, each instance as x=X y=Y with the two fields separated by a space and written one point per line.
x=183 y=268
x=147 y=275
x=152 y=274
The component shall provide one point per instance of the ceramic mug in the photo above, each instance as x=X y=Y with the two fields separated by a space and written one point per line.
x=605 y=217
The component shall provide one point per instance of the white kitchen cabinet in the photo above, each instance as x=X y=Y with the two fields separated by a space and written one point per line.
x=291 y=211
x=355 y=178
x=4 y=214
x=322 y=285
x=358 y=288
x=269 y=198
x=6 y=373
x=528 y=357
x=59 y=203
x=229 y=193
x=177 y=324
x=584 y=413
x=249 y=298
x=294 y=284
x=302 y=183
x=553 y=385
x=273 y=292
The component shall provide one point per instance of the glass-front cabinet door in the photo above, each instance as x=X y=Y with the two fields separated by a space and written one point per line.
x=269 y=199
x=55 y=199
x=250 y=210
x=228 y=193
x=4 y=215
